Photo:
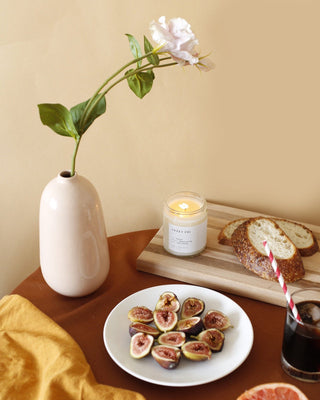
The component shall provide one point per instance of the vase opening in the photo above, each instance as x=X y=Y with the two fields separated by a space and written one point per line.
x=65 y=174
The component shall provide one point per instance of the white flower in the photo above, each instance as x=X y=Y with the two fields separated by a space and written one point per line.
x=175 y=38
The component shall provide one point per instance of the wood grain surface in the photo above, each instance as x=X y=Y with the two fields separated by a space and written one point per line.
x=218 y=268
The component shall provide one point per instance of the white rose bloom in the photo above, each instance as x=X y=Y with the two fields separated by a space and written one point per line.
x=175 y=38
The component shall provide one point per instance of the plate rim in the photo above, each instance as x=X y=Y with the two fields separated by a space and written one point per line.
x=176 y=384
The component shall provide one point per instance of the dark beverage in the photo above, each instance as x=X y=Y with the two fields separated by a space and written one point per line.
x=301 y=342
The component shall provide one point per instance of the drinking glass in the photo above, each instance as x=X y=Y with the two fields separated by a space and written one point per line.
x=300 y=356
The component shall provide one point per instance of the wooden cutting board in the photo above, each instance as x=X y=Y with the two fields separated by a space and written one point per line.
x=218 y=268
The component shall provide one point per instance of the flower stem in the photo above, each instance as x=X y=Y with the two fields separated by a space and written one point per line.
x=73 y=166
x=145 y=68
x=88 y=107
x=97 y=97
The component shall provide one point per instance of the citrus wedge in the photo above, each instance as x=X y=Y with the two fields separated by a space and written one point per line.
x=273 y=391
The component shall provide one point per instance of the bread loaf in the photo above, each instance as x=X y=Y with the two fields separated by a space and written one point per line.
x=300 y=235
x=247 y=241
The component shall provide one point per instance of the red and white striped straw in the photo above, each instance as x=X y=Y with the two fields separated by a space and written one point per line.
x=282 y=282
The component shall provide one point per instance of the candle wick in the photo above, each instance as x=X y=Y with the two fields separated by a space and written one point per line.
x=184 y=206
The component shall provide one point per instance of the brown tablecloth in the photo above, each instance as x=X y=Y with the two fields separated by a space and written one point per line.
x=84 y=319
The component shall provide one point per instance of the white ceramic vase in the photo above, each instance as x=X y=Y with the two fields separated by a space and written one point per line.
x=74 y=253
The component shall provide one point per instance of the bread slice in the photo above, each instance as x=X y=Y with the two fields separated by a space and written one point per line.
x=247 y=241
x=301 y=236
x=226 y=232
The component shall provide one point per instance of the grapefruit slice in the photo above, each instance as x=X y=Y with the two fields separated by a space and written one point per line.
x=273 y=391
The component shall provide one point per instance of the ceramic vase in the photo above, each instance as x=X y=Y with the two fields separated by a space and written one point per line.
x=74 y=253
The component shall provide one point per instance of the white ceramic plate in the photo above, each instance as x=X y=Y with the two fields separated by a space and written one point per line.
x=237 y=345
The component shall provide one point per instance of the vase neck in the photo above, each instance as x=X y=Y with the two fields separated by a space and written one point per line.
x=66 y=176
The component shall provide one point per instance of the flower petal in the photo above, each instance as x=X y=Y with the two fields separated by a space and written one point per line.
x=176 y=38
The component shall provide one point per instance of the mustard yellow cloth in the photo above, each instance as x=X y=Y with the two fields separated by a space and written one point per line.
x=41 y=361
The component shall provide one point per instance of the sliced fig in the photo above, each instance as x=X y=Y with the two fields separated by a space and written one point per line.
x=216 y=319
x=196 y=350
x=168 y=301
x=190 y=326
x=136 y=327
x=213 y=337
x=140 y=314
x=191 y=307
x=140 y=345
x=165 y=320
x=172 y=338
x=167 y=356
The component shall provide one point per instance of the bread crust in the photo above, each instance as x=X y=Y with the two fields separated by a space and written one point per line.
x=292 y=268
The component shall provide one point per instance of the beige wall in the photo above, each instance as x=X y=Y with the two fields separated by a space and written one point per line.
x=245 y=134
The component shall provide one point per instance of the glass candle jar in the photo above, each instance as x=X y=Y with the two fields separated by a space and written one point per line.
x=185 y=224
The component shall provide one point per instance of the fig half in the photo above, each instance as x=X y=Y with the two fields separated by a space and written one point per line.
x=190 y=326
x=136 y=327
x=140 y=314
x=216 y=319
x=172 y=338
x=168 y=301
x=196 y=351
x=191 y=307
x=213 y=337
x=166 y=356
x=165 y=320
x=140 y=345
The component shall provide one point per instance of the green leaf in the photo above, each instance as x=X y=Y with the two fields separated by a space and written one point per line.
x=154 y=58
x=135 y=48
x=141 y=83
x=77 y=112
x=58 y=118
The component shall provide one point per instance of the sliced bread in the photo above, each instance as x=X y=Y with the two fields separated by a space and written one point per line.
x=247 y=241
x=300 y=235
x=226 y=232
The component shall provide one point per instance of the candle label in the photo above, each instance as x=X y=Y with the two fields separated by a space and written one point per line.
x=187 y=239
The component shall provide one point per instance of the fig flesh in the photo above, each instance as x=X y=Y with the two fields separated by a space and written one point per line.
x=166 y=356
x=172 y=338
x=140 y=345
x=213 y=337
x=216 y=319
x=168 y=301
x=191 y=307
x=165 y=320
x=140 y=314
x=136 y=327
x=196 y=351
x=190 y=326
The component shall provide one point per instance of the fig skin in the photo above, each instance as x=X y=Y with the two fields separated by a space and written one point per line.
x=166 y=356
x=165 y=320
x=140 y=314
x=190 y=326
x=136 y=327
x=192 y=307
x=196 y=351
x=140 y=345
x=213 y=337
x=173 y=338
x=216 y=319
x=168 y=301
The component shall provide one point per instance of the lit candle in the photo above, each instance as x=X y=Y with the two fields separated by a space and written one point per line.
x=185 y=224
